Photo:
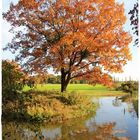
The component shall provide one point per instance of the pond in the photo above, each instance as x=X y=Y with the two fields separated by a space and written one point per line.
x=114 y=120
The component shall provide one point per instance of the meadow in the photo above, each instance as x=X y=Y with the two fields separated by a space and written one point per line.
x=82 y=89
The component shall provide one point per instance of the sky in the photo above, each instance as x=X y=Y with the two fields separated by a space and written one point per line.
x=131 y=69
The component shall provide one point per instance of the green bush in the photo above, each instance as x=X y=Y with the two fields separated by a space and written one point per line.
x=38 y=106
x=71 y=98
x=135 y=103
x=130 y=86
x=12 y=79
x=126 y=88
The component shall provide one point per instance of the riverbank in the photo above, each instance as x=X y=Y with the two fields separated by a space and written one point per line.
x=109 y=122
x=52 y=107
x=44 y=103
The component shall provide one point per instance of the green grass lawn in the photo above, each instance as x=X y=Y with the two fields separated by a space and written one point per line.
x=83 y=89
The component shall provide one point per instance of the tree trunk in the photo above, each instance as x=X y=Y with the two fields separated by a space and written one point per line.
x=63 y=86
x=64 y=80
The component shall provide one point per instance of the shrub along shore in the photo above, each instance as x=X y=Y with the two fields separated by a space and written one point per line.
x=39 y=105
x=130 y=87
x=33 y=106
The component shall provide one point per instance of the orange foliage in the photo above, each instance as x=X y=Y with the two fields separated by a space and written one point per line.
x=71 y=36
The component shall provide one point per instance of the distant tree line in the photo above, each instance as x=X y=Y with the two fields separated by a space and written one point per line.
x=51 y=79
x=56 y=79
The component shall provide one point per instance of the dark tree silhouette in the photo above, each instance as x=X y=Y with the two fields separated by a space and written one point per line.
x=134 y=21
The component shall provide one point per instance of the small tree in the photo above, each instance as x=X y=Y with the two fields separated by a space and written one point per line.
x=12 y=78
x=73 y=37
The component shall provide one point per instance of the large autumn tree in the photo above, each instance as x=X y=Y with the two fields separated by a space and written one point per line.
x=79 y=38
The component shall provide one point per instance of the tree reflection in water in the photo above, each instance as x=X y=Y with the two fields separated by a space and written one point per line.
x=116 y=102
x=89 y=128
x=106 y=132
x=28 y=132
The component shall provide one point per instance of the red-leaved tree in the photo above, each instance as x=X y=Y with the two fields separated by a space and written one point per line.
x=78 y=38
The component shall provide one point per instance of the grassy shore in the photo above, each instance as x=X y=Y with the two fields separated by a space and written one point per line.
x=37 y=106
x=82 y=89
x=47 y=103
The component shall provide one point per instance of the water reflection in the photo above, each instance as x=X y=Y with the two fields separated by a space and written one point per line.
x=52 y=134
x=116 y=102
x=91 y=125
x=93 y=131
x=26 y=134
x=110 y=122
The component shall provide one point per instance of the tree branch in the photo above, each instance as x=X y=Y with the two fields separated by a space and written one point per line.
x=81 y=74
x=88 y=64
